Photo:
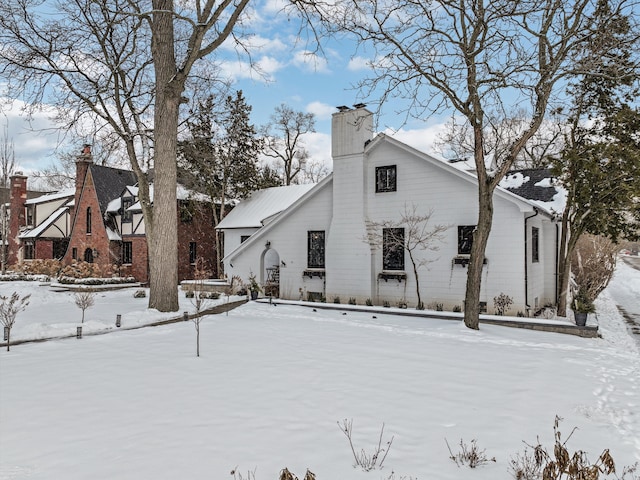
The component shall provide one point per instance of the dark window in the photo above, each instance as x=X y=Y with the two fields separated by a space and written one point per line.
x=127 y=216
x=29 y=215
x=535 y=244
x=244 y=238
x=315 y=249
x=29 y=250
x=88 y=219
x=465 y=239
x=393 y=248
x=186 y=213
x=386 y=179
x=192 y=252
x=88 y=255
x=74 y=253
x=127 y=252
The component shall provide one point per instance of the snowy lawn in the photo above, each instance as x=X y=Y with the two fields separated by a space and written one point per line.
x=272 y=382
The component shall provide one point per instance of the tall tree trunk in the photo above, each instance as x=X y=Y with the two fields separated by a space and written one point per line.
x=476 y=262
x=163 y=236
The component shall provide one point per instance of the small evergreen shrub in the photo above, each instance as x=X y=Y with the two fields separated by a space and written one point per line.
x=352 y=301
x=457 y=309
x=139 y=294
x=336 y=299
x=368 y=302
x=386 y=304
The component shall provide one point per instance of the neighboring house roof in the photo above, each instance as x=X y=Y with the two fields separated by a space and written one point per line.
x=538 y=186
x=49 y=197
x=182 y=193
x=40 y=229
x=261 y=205
x=109 y=183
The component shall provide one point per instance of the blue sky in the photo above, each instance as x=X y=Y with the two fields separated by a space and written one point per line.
x=292 y=74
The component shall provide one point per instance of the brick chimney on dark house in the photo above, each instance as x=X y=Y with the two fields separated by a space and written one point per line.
x=17 y=215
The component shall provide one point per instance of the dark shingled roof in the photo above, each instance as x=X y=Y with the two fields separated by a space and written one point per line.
x=109 y=183
x=530 y=190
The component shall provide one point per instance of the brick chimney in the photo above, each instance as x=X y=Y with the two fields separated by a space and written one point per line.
x=82 y=166
x=17 y=220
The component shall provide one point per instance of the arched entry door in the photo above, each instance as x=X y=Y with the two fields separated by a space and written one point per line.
x=271 y=272
x=88 y=255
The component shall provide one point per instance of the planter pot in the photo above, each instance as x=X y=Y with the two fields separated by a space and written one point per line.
x=581 y=318
x=254 y=295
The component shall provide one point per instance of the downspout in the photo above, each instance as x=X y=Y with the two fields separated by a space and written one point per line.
x=557 y=290
x=526 y=267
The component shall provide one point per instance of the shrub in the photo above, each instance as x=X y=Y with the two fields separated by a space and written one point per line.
x=501 y=303
x=139 y=294
x=336 y=299
x=386 y=304
x=471 y=455
x=368 y=302
x=420 y=306
x=457 y=308
x=352 y=301
x=364 y=460
x=563 y=465
x=189 y=294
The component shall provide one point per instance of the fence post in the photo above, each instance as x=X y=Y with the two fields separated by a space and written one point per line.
x=185 y=316
x=118 y=320
x=78 y=332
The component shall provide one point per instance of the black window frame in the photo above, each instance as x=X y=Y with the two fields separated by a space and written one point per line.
x=88 y=230
x=393 y=249
x=193 y=252
x=465 y=239
x=244 y=238
x=127 y=253
x=29 y=250
x=386 y=179
x=316 y=249
x=535 y=245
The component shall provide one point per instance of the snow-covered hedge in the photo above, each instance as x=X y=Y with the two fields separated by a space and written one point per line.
x=24 y=277
x=96 y=281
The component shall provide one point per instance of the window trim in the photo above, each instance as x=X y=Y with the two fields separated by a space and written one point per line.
x=465 y=233
x=390 y=183
x=127 y=215
x=535 y=245
x=316 y=252
x=392 y=259
x=127 y=255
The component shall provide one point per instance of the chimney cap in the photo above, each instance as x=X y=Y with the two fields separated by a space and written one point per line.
x=360 y=105
x=343 y=108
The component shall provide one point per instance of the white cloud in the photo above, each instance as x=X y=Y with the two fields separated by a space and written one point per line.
x=422 y=139
x=264 y=69
x=322 y=111
x=310 y=62
x=358 y=64
x=319 y=147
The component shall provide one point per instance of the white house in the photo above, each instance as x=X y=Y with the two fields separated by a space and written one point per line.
x=319 y=247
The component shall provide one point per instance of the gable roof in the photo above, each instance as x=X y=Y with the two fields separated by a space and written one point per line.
x=109 y=183
x=312 y=190
x=42 y=228
x=254 y=211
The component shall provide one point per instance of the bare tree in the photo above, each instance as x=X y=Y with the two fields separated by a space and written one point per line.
x=283 y=141
x=84 y=299
x=124 y=65
x=411 y=233
x=9 y=309
x=7 y=167
x=593 y=264
x=200 y=297
x=479 y=58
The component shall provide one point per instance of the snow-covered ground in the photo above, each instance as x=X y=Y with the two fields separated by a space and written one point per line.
x=272 y=382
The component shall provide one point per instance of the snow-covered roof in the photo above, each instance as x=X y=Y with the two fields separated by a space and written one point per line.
x=37 y=231
x=182 y=193
x=49 y=197
x=538 y=186
x=113 y=236
x=262 y=204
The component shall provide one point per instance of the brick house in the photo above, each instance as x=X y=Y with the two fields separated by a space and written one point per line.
x=100 y=221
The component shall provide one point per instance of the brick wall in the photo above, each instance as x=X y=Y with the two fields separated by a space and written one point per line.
x=18 y=197
x=198 y=228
